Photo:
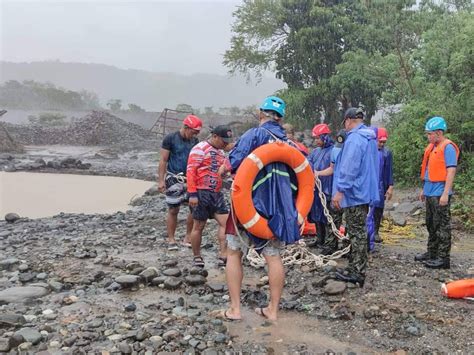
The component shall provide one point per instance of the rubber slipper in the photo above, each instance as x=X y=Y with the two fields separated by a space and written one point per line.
x=173 y=247
x=222 y=314
x=260 y=312
x=222 y=262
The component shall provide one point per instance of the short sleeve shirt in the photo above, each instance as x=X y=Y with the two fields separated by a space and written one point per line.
x=179 y=149
x=437 y=188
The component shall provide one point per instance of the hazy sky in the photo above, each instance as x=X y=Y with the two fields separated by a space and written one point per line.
x=176 y=36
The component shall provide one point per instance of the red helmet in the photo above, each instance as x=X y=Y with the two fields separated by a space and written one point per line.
x=193 y=122
x=321 y=128
x=382 y=134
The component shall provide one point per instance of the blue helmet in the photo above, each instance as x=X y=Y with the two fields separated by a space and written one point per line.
x=436 y=123
x=273 y=103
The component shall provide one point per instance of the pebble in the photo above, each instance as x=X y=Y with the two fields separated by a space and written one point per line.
x=172 y=283
x=334 y=287
x=127 y=280
x=172 y=272
x=130 y=307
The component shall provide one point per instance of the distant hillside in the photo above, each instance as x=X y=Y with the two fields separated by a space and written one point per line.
x=152 y=91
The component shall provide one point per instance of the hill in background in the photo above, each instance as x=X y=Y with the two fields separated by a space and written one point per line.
x=150 y=90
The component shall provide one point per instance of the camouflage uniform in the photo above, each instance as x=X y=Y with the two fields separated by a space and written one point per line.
x=438 y=223
x=330 y=240
x=357 y=230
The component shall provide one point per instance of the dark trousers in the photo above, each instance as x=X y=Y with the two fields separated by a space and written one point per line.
x=357 y=230
x=438 y=223
x=378 y=215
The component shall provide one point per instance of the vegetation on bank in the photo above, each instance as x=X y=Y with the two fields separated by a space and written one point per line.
x=417 y=55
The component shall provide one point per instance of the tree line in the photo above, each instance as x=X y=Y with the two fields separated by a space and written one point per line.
x=416 y=56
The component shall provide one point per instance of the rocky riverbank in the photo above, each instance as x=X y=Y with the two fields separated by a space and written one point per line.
x=76 y=283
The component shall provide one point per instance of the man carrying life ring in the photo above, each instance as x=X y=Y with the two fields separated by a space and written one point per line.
x=273 y=198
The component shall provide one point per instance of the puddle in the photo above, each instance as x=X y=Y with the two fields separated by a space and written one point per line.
x=37 y=195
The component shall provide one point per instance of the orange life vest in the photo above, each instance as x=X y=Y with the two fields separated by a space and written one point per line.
x=434 y=160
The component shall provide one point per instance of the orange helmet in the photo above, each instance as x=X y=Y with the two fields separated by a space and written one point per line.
x=321 y=128
x=193 y=122
x=382 y=134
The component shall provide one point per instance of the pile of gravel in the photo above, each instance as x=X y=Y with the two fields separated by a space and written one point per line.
x=97 y=128
x=7 y=143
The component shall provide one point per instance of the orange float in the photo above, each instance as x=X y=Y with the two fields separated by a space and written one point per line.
x=459 y=289
x=243 y=183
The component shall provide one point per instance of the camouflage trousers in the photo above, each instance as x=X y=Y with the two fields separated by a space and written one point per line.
x=438 y=223
x=330 y=240
x=357 y=229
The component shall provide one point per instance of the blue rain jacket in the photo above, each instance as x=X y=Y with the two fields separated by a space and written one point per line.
x=320 y=159
x=356 y=172
x=274 y=187
x=385 y=174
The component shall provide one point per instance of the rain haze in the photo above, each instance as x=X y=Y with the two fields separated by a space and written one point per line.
x=184 y=37
x=133 y=41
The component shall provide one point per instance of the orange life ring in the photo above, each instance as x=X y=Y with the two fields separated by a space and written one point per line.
x=242 y=189
x=459 y=289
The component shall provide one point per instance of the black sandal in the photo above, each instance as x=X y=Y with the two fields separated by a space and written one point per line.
x=198 y=261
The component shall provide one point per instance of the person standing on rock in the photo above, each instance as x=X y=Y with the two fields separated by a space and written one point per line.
x=273 y=198
x=385 y=179
x=320 y=159
x=204 y=189
x=438 y=170
x=174 y=153
x=355 y=186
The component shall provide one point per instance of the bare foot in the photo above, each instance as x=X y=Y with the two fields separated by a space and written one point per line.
x=265 y=313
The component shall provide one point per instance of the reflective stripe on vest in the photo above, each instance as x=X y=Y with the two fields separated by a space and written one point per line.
x=434 y=160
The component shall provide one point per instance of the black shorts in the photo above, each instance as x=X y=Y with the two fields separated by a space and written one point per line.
x=175 y=191
x=209 y=204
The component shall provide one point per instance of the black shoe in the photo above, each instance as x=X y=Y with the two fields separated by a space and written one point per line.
x=352 y=278
x=423 y=257
x=439 y=263
x=377 y=238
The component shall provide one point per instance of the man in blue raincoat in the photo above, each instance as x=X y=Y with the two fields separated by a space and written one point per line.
x=273 y=198
x=355 y=186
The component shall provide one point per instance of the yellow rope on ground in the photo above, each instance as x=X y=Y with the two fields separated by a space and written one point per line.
x=392 y=234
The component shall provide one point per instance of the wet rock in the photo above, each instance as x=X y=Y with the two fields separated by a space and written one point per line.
x=124 y=348
x=5 y=234
x=183 y=312
x=172 y=283
x=23 y=267
x=152 y=191
x=42 y=276
x=69 y=341
x=172 y=272
x=170 y=263
x=171 y=334
x=220 y=338
x=30 y=335
x=131 y=307
x=12 y=320
x=195 y=280
x=26 y=277
x=156 y=340
x=127 y=280
x=12 y=217
x=216 y=287
x=8 y=263
x=56 y=286
x=158 y=280
x=199 y=271
x=398 y=219
x=334 y=287
x=5 y=345
x=142 y=335
x=21 y=294
x=149 y=273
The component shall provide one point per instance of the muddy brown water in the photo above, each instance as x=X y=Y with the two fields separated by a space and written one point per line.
x=36 y=195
